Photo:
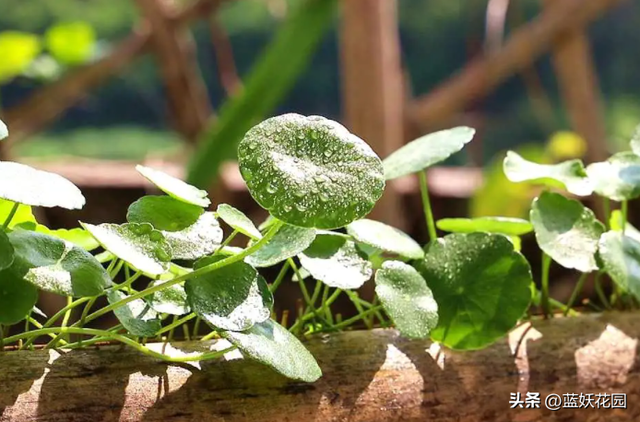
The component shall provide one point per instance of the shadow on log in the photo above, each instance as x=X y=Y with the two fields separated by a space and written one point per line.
x=368 y=376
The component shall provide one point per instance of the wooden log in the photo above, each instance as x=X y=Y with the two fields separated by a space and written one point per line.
x=368 y=376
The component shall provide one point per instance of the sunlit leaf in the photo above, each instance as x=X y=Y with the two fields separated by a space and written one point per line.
x=620 y=256
x=616 y=222
x=22 y=215
x=238 y=221
x=171 y=300
x=175 y=188
x=164 y=213
x=198 y=240
x=503 y=225
x=288 y=242
x=71 y=43
x=384 y=237
x=77 y=236
x=17 y=298
x=136 y=316
x=618 y=178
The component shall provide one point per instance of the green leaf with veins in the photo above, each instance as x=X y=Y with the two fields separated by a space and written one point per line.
x=570 y=175
x=17 y=298
x=233 y=297
x=566 y=230
x=38 y=188
x=618 y=178
x=288 y=242
x=336 y=262
x=57 y=266
x=171 y=300
x=481 y=285
x=175 y=188
x=136 y=316
x=620 y=255
x=384 y=237
x=238 y=221
x=201 y=239
x=6 y=251
x=407 y=299
x=164 y=213
x=272 y=345
x=503 y=225
x=140 y=245
x=310 y=171
x=426 y=151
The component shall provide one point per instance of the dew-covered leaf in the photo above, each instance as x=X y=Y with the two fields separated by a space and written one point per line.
x=171 y=300
x=310 y=171
x=57 y=266
x=569 y=175
x=23 y=214
x=407 y=299
x=17 y=298
x=288 y=242
x=38 y=188
x=136 y=316
x=618 y=178
x=175 y=188
x=6 y=251
x=238 y=221
x=164 y=213
x=140 y=245
x=233 y=297
x=384 y=237
x=566 y=230
x=481 y=285
x=503 y=225
x=426 y=151
x=201 y=239
x=336 y=262
x=620 y=256
x=4 y=132
x=272 y=345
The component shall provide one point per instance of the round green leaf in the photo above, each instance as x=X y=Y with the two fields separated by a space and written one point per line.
x=336 y=262
x=481 y=285
x=71 y=43
x=618 y=178
x=201 y=239
x=6 y=251
x=172 y=300
x=503 y=225
x=238 y=221
x=288 y=242
x=407 y=299
x=569 y=175
x=566 y=230
x=57 y=266
x=22 y=215
x=620 y=255
x=38 y=188
x=272 y=345
x=164 y=213
x=175 y=188
x=4 y=132
x=136 y=316
x=17 y=298
x=232 y=298
x=140 y=245
x=426 y=151
x=310 y=171
x=381 y=236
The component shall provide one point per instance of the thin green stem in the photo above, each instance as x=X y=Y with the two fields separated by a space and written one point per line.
x=353 y=320
x=576 y=292
x=57 y=316
x=625 y=214
x=356 y=302
x=196 y=327
x=65 y=320
x=600 y=292
x=12 y=214
x=283 y=271
x=426 y=204
x=544 y=291
x=226 y=241
x=606 y=205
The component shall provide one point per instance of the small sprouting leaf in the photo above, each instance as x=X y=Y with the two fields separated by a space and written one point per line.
x=77 y=236
x=201 y=239
x=140 y=245
x=272 y=345
x=620 y=255
x=136 y=316
x=635 y=141
x=233 y=297
x=71 y=43
x=426 y=151
x=384 y=237
x=175 y=188
x=6 y=251
x=566 y=230
x=503 y=225
x=618 y=178
x=4 y=132
x=570 y=175
x=310 y=171
x=616 y=223
x=17 y=298
x=171 y=300
x=57 y=266
x=288 y=242
x=238 y=221
x=38 y=188
x=407 y=299
x=164 y=213
x=336 y=262
x=481 y=285
x=22 y=215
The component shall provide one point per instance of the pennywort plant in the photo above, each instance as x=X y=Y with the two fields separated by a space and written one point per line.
x=171 y=268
